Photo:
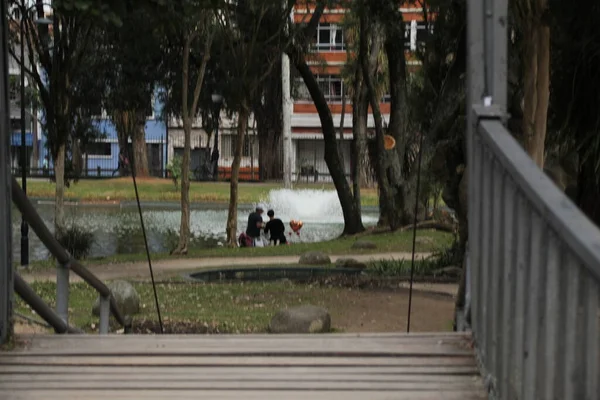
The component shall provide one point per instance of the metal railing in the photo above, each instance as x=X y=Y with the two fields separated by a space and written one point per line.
x=534 y=259
x=66 y=264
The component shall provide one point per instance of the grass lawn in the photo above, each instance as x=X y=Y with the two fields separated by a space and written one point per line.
x=155 y=189
x=433 y=241
x=248 y=307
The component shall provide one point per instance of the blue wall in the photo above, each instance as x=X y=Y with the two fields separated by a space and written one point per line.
x=155 y=135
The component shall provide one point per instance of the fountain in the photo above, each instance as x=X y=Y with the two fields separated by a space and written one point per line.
x=117 y=230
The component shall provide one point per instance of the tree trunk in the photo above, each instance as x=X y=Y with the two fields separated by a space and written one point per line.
x=190 y=109
x=268 y=111
x=536 y=60
x=360 y=109
x=140 y=150
x=235 y=172
x=184 y=226
x=59 y=198
x=388 y=210
x=270 y=163
x=399 y=118
x=352 y=214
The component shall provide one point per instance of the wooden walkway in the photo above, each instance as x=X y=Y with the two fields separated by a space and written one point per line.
x=339 y=366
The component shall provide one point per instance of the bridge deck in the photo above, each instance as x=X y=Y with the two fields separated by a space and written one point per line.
x=338 y=366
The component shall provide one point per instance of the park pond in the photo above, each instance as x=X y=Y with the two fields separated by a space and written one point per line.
x=117 y=228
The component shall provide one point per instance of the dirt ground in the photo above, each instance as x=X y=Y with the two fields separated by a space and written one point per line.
x=387 y=311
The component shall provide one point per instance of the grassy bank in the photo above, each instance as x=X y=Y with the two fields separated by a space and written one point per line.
x=154 y=189
x=430 y=241
x=248 y=307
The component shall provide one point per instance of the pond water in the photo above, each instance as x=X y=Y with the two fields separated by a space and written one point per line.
x=117 y=229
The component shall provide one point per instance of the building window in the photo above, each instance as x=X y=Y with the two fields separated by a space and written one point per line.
x=245 y=151
x=99 y=149
x=423 y=30
x=332 y=87
x=329 y=37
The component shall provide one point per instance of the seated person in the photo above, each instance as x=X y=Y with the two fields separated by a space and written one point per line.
x=277 y=229
x=255 y=224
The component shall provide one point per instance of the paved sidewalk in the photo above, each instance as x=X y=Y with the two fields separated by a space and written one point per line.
x=170 y=267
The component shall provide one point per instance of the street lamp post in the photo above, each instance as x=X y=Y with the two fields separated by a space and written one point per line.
x=217 y=100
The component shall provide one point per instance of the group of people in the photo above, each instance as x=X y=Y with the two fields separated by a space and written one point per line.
x=274 y=227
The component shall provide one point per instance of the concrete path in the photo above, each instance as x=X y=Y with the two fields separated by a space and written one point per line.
x=171 y=267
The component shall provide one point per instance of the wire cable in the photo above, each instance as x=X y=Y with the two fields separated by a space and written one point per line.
x=137 y=198
x=414 y=241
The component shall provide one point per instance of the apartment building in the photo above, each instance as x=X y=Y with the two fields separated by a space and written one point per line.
x=307 y=153
x=331 y=56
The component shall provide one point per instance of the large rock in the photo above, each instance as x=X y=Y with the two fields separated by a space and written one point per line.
x=349 y=263
x=314 y=258
x=302 y=319
x=127 y=298
x=364 y=245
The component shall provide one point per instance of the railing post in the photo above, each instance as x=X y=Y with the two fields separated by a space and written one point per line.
x=6 y=267
x=104 y=314
x=62 y=291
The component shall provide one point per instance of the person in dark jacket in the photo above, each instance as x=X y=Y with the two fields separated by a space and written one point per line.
x=276 y=228
x=255 y=224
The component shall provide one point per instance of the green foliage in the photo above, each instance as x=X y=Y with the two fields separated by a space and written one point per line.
x=575 y=83
x=174 y=169
x=76 y=240
x=430 y=266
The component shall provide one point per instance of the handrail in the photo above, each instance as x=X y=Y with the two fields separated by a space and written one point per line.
x=553 y=205
x=62 y=256
x=535 y=268
x=41 y=308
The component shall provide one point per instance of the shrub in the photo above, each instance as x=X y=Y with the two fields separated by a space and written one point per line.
x=174 y=169
x=76 y=240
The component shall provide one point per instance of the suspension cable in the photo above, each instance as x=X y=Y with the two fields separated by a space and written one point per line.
x=137 y=198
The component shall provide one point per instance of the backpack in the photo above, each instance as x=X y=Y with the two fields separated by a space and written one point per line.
x=245 y=240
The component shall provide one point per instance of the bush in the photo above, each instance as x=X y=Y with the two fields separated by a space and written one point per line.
x=76 y=241
x=397 y=268
x=174 y=169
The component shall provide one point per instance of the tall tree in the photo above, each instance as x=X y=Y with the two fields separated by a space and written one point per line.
x=533 y=25
x=297 y=51
x=575 y=98
x=252 y=32
x=132 y=50
x=60 y=53
x=188 y=28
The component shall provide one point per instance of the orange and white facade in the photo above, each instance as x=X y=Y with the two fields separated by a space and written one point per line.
x=327 y=64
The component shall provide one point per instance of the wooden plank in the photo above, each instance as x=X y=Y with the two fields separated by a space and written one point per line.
x=240 y=385
x=234 y=360
x=207 y=347
x=44 y=394
x=307 y=341
x=258 y=336
x=12 y=370
x=249 y=376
